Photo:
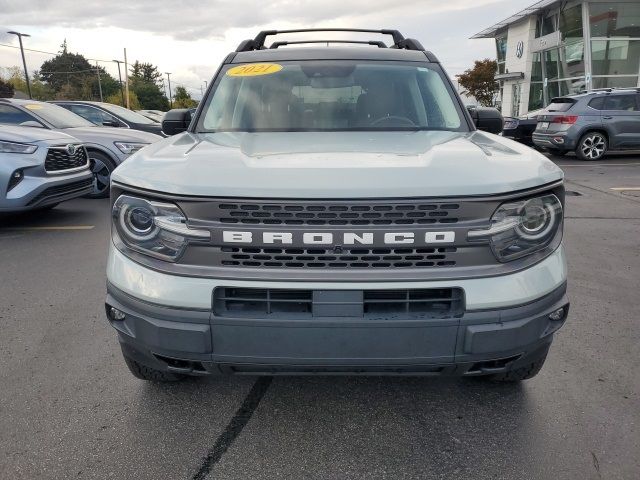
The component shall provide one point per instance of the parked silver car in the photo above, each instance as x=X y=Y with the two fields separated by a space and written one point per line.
x=40 y=168
x=107 y=146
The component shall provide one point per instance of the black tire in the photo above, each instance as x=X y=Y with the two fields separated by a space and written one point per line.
x=151 y=374
x=592 y=146
x=101 y=166
x=557 y=152
x=521 y=373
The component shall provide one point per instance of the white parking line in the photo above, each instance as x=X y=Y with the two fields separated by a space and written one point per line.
x=624 y=189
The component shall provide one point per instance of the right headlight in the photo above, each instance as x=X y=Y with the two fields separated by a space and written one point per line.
x=522 y=227
x=152 y=228
x=13 y=147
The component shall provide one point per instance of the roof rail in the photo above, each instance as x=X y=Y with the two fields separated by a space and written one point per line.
x=398 y=39
x=370 y=42
x=611 y=89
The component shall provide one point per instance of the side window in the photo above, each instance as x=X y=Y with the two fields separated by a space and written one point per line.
x=94 y=115
x=13 y=116
x=597 y=103
x=621 y=103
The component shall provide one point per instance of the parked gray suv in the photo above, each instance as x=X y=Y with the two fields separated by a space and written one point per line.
x=591 y=123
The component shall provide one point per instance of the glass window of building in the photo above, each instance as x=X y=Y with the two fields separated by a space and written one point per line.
x=615 y=82
x=546 y=25
x=536 y=99
x=536 y=68
x=619 y=19
x=615 y=57
x=570 y=23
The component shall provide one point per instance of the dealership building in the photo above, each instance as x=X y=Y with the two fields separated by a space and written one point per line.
x=554 y=48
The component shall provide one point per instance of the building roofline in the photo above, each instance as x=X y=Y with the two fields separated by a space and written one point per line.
x=530 y=10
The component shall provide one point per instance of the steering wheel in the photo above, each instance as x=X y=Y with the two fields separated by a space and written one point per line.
x=394 y=119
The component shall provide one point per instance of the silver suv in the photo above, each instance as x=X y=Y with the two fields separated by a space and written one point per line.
x=335 y=210
x=591 y=123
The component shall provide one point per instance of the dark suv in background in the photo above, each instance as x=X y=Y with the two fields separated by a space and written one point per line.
x=109 y=115
x=591 y=123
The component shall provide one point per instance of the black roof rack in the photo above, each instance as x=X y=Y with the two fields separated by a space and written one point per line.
x=370 y=42
x=398 y=39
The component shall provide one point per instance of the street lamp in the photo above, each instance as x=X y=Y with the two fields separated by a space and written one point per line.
x=120 y=78
x=24 y=63
x=169 y=80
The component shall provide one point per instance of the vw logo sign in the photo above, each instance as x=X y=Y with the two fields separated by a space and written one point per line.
x=71 y=149
x=520 y=49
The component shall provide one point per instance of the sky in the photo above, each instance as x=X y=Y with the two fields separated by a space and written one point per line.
x=190 y=38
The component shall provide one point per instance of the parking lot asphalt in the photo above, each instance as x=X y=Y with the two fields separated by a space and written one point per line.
x=69 y=408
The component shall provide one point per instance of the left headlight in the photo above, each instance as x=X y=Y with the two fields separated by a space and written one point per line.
x=523 y=227
x=12 y=147
x=128 y=148
x=153 y=228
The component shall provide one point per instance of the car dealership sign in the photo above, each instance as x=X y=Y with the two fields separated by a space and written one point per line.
x=548 y=41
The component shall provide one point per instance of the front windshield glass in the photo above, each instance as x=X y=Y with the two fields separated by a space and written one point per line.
x=331 y=96
x=57 y=116
x=126 y=115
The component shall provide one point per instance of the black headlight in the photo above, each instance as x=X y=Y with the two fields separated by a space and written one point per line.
x=522 y=227
x=156 y=229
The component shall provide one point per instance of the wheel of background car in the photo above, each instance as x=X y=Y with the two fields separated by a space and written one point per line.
x=101 y=167
x=393 y=118
x=592 y=146
x=558 y=153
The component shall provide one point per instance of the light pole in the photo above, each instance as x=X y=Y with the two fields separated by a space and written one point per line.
x=120 y=79
x=24 y=63
x=169 y=81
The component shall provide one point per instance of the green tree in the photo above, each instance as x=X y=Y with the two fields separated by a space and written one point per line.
x=146 y=72
x=479 y=81
x=6 y=89
x=70 y=75
x=39 y=91
x=116 y=99
x=182 y=99
x=150 y=96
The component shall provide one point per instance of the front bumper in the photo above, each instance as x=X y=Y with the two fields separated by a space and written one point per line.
x=483 y=340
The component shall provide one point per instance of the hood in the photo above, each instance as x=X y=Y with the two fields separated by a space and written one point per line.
x=15 y=133
x=337 y=165
x=111 y=134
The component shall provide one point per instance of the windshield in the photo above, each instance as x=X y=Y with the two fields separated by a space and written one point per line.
x=57 y=116
x=126 y=115
x=331 y=96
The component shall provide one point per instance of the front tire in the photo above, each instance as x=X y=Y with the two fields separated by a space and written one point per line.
x=150 y=374
x=101 y=167
x=592 y=146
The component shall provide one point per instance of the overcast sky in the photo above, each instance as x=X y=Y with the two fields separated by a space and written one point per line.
x=190 y=38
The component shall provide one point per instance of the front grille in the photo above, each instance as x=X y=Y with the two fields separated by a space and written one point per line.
x=328 y=258
x=374 y=304
x=338 y=214
x=51 y=194
x=59 y=159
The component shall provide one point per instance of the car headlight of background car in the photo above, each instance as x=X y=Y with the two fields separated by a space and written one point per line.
x=153 y=228
x=12 y=147
x=522 y=227
x=129 y=147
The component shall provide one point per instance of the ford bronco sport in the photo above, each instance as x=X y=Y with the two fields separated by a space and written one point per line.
x=335 y=210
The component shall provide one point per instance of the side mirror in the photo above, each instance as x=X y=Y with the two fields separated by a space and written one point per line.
x=487 y=119
x=176 y=121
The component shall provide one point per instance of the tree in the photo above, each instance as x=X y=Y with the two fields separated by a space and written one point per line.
x=6 y=89
x=479 y=81
x=71 y=76
x=116 y=99
x=39 y=91
x=150 y=96
x=146 y=72
x=182 y=99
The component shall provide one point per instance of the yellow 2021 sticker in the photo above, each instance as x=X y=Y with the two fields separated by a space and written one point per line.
x=254 y=69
